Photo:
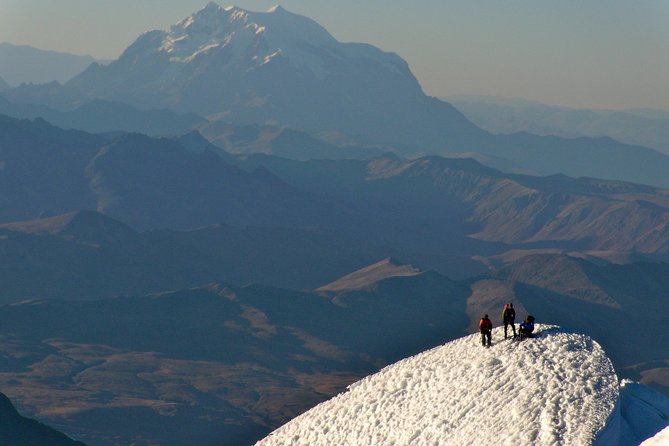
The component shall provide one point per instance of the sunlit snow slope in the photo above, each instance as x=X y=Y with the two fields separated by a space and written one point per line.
x=557 y=389
x=661 y=439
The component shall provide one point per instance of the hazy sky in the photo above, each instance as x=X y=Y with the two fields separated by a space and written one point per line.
x=582 y=53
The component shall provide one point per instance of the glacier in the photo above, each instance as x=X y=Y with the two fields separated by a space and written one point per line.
x=558 y=388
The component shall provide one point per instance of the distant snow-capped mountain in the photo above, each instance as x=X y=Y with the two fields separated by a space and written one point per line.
x=280 y=69
x=255 y=39
x=559 y=388
x=272 y=67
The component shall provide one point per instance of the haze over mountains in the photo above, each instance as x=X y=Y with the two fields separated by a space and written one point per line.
x=452 y=215
x=98 y=116
x=25 y=64
x=241 y=216
x=283 y=69
x=270 y=67
x=643 y=127
x=456 y=203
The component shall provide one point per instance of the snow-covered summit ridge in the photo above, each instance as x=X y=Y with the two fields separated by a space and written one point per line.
x=260 y=36
x=249 y=40
x=557 y=389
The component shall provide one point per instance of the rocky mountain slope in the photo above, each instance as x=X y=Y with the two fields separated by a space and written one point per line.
x=87 y=255
x=16 y=430
x=463 y=198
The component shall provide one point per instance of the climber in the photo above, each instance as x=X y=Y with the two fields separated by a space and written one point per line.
x=485 y=326
x=509 y=317
x=527 y=327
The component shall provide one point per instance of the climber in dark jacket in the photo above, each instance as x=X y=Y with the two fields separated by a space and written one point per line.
x=509 y=318
x=485 y=326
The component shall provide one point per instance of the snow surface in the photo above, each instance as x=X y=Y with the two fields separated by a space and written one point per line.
x=270 y=34
x=557 y=389
x=642 y=413
x=661 y=439
x=249 y=40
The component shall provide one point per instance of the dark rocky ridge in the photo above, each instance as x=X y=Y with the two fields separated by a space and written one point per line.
x=16 y=430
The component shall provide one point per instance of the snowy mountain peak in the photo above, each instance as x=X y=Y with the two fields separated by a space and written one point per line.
x=559 y=388
x=272 y=66
x=276 y=8
x=212 y=6
x=244 y=38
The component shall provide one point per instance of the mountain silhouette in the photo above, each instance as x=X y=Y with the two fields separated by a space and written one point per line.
x=25 y=64
x=99 y=116
x=16 y=430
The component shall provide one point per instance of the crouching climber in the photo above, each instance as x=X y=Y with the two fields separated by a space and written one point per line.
x=485 y=326
x=527 y=327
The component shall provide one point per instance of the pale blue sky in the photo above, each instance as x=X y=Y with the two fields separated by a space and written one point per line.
x=581 y=53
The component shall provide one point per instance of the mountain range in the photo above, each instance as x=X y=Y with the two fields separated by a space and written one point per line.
x=87 y=255
x=48 y=171
x=239 y=361
x=455 y=207
x=644 y=127
x=428 y=205
x=99 y=116
x=285 y=70
x=282 y=142
x=25 y=64
x=465 y=201
x=242 y=216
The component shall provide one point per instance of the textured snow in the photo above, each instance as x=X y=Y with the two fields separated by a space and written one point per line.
x=246 y=40
x=271 y=33
x=643 y=412
x=557 y=389
x=661 y=439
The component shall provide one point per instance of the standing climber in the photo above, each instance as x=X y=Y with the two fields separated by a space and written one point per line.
x=527 y=327
x=509 y=318
x=485 y=326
